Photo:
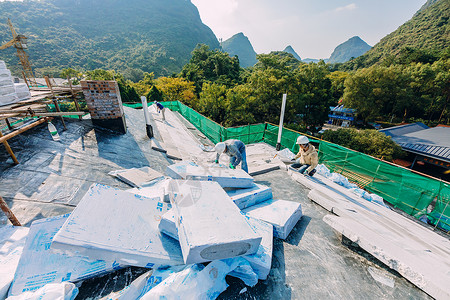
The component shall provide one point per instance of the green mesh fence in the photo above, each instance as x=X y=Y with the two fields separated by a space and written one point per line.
x=410 y=192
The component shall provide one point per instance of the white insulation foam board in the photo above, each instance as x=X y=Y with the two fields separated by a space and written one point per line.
x=118 y=226
x=261 y=261
x=39 y=265
x=236 y=178
x=244 y=198
x=283 y=215
x=210 y=226
x=12 y=241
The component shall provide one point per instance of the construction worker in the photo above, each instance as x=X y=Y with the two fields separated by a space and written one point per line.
x=307 y=158
x=235 y=149
x=160 y=109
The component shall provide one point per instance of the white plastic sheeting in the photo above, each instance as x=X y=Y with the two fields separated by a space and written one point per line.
x=7 y=88
x=198 y=282
x=39 y=265
x=143 y=284
x=51 y=291
x=244 y=198
x=210 y=226
x=261 y=261
x=118 y=226
x=283 y=215
x=343 y=181
x=12 y=241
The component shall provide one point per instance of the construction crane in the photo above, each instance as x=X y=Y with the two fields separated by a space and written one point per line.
x=19 y=42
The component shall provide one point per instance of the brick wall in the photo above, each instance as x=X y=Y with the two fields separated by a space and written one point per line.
x=104 y=103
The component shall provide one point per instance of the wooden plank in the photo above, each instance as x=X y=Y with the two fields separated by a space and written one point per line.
x=4 y=207
x=23 y=129
x=9 y=150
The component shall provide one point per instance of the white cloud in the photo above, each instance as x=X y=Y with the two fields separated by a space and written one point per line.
x=351 y=6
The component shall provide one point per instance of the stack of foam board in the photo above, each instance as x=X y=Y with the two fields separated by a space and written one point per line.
x=12 y=241
x=226 y=177
x=261 y=261
x=283 y=215
x=22 y=91
x=39 y=265
x=210 y=226
x=116 y=225
x=247 y=197
x=7 y=90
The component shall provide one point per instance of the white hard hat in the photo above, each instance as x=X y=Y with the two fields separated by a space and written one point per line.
x=302 y=140
x=220 y=147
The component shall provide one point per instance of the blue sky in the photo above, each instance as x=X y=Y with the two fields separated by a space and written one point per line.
x=312 y=27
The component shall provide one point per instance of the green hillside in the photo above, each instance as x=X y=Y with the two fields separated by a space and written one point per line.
x=291 y=50
x=239 y=45
x=128 y=36
x=425 y=36
x=354 y=47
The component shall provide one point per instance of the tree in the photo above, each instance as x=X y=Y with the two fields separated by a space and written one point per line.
x=143 y=86
x=72 y=73
x=155 y=95
x=369 y=141
x=177 y=89
x=212 y=102
x=213 y=66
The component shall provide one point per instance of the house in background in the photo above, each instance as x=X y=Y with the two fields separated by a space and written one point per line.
x=341 y=116
x=427 y=146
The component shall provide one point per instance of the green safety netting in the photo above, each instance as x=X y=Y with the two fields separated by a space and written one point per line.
x=401 y=187
x=410 y=192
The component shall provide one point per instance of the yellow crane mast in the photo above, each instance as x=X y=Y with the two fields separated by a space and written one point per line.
x=19 y=42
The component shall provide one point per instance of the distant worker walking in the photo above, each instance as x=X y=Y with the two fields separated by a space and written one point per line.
x=307 y=158
x=235 y=149
x=160 y=109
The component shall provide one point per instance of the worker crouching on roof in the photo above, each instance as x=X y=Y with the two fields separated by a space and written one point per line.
x=235 y=149
x=307 y=158
x=160 y=109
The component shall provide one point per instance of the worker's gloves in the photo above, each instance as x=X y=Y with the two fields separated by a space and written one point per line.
x=232 y=167
x=216 y=161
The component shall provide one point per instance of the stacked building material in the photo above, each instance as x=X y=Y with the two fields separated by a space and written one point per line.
x=7 y=91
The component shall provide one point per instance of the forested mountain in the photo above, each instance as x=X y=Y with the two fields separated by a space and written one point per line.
x=239 y=45
x=352 y=48
x=291 y=50
x=424 y=38
x=129 y=36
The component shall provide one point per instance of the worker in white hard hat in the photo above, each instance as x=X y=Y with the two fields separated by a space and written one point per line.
x=235 y=149
x=307 y=158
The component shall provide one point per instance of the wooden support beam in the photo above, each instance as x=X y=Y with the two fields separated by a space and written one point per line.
x=12 y=218
x=53 y=114
x=23 y=129
x=9 y=150
x=9 y=124
x=55 y=102
x=74 y=97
